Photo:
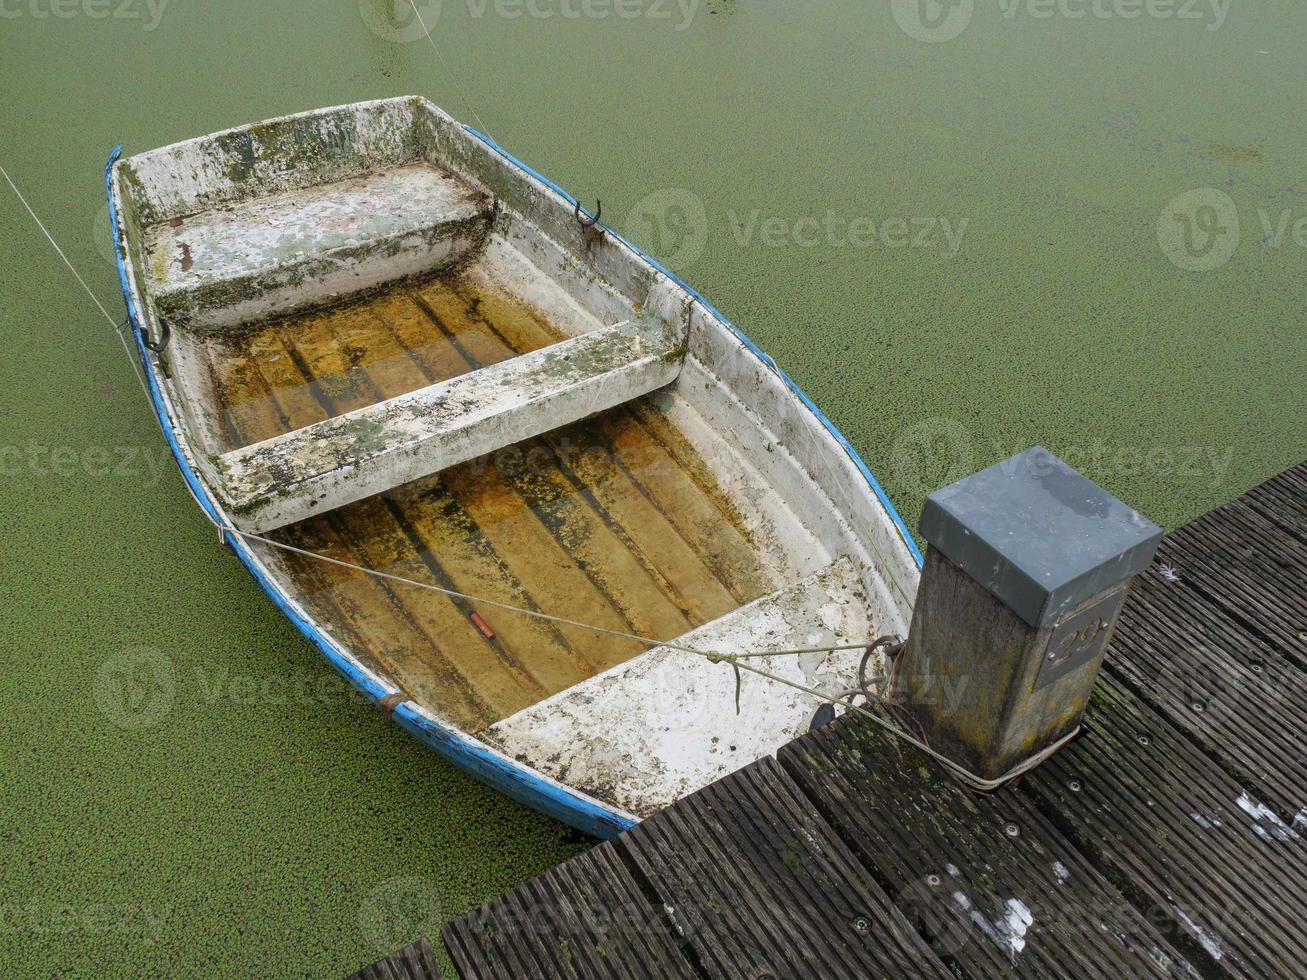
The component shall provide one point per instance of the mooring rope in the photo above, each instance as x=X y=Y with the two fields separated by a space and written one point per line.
x=738 y=661
x=117 y=328
x=453 y=77
x=535 y=613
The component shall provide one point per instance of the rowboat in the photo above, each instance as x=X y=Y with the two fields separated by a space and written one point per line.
x=521 y=485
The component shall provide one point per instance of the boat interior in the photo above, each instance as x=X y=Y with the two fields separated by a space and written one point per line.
x=408 y=355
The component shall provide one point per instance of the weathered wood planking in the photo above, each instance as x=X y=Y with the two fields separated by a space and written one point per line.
x=1283 y=500
x=1142 y=843
x=413 y=962
x=1235 y=696
x=1251 y=567
x=987 y=880
x=584 y=920
x=1223 y=877
x=761 y=886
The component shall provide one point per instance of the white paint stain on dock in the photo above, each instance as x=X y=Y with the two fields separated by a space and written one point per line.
x=1266 y=822
x=1010 y=931
x=1212 y=947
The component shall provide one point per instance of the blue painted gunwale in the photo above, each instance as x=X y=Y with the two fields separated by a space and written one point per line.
x=507 y=775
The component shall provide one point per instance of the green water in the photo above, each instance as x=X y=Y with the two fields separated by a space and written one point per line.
x=258 y=820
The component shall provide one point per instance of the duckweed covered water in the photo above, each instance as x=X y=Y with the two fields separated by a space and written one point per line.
x=953 y=245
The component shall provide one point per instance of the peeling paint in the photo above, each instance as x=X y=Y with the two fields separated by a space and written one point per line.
x=788 y=485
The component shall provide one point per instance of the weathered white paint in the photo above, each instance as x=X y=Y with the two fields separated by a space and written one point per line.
x=1266 y=822
x=340 y=460
x=1207 y=941
x=658 y=727
x=305 y=247
x=799 y=493
x=1009 y=931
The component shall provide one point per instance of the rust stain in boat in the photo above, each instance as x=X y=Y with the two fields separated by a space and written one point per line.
x=394 y=341
x=613 y=521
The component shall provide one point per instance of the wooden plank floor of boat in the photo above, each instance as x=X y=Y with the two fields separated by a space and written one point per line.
x=611 y=521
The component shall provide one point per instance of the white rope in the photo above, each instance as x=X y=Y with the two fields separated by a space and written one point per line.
x=94 y=299
x=521 y=609
x=734 y=659
x=452 y=75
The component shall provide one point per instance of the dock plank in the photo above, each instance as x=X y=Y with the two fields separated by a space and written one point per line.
x=584 y=920
x=1250 y=567
x=994 y=888
x=1235 y=696
x=1283 y=500
x=413 y=962
x=1144 y=847
x=761 y=886
x=1179 y=836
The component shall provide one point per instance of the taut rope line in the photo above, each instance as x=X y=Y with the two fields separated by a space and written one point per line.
x=736 y=660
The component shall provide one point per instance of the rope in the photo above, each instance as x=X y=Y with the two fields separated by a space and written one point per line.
x=521 y=609
x=738 y=661
x=453 y=77
x=117 y=328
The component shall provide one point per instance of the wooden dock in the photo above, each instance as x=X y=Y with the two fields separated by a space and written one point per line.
x=1169 y=839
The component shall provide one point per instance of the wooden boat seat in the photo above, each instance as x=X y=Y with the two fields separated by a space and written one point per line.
x=370 y=450
x=299 y=248
x=660 y=726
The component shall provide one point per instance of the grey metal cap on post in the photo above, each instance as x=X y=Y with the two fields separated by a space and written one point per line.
x=1038 y=535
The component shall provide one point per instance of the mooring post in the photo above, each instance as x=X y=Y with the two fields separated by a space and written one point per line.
x=1026 y=571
